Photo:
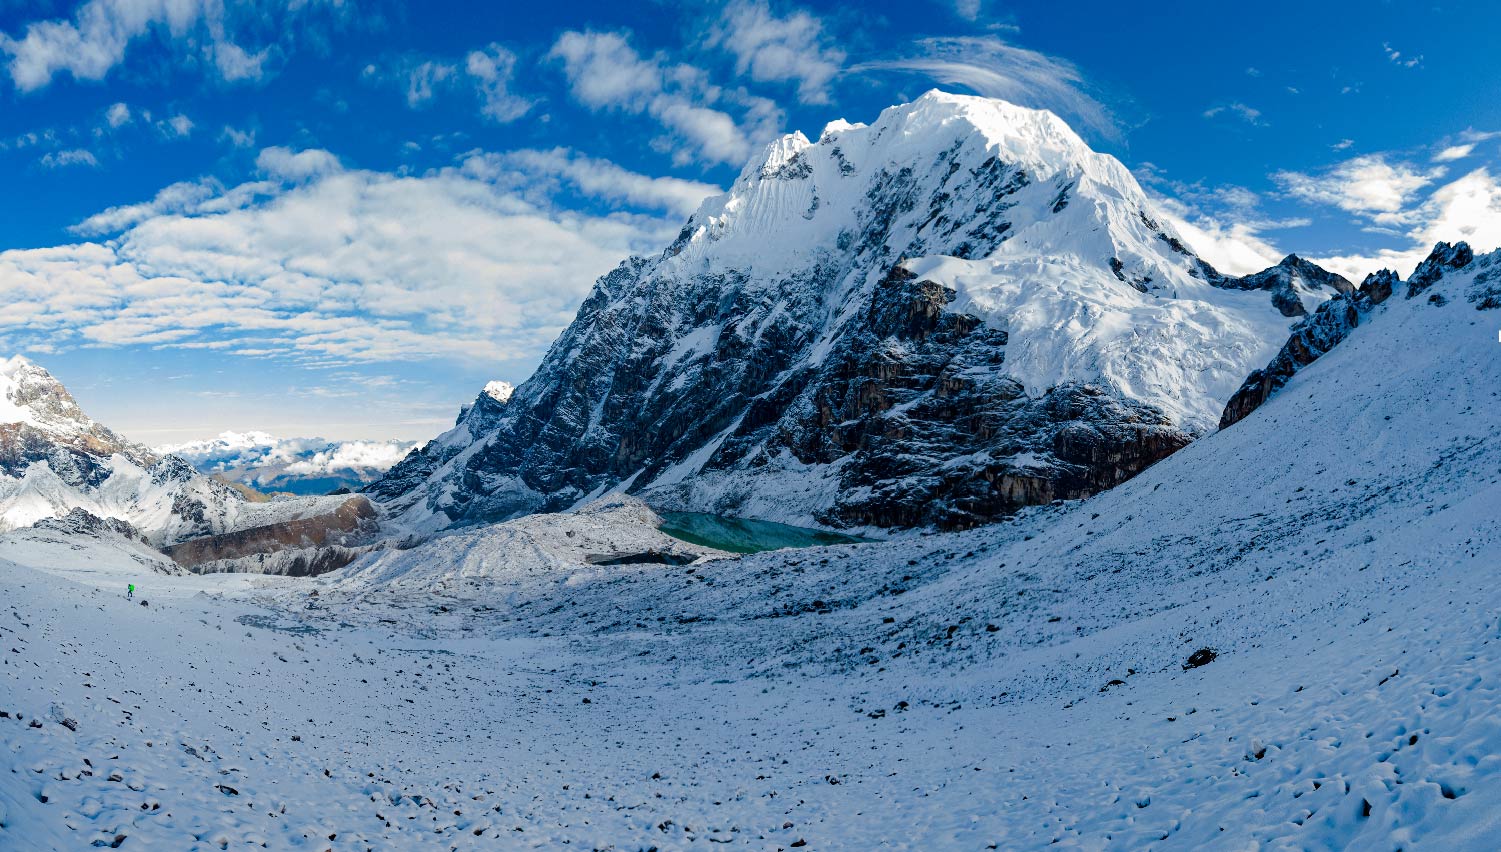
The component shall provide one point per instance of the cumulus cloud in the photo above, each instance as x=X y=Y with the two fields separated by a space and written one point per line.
x=117 y=115
x=605 y=73
x=178 y=125
x=997 y=69
x=1468 y=208
x=95 y=40
x=1373 y=187
x=285 y=164
x=322 y=264
x=770 y=48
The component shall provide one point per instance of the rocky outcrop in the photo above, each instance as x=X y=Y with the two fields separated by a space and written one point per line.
x=1293 y=284
x=1337 y=317
x=296 y=562
x=81 y=522
x=1444 y=258
x=353 y=520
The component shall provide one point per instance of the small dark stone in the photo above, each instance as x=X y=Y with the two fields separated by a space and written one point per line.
x=1201 y=657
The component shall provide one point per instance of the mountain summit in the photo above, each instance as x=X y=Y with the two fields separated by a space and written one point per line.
x=54 y=458
x=930 y=320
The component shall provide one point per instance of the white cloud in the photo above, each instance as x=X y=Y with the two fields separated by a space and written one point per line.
x=286 y=164
x=1465 y=146
x=174 y=198
x=1248 y=114
x=1398 y=58
x=324 y=265
x=1468 y=208
x=69 y=157
x=178 y=125
x=1453 y=152
x=1370 y=186
x=1235 y=248
x=488 y=73
x=95 y=40
x=491 y=70
x=596 y=178
x=969 y=10
x=236 y=137
x=424 y=79
x=779 y=49
x=117 y=115
x=605 y=72
x=996 y=69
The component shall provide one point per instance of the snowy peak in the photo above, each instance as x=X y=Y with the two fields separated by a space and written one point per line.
x=933 y=319
x=32 y=396
x=500 y=391
x=1297 y=286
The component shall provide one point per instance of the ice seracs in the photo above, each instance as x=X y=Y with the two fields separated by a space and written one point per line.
x=869 y=330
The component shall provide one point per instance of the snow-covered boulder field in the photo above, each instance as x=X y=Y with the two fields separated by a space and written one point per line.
x=1045 y=682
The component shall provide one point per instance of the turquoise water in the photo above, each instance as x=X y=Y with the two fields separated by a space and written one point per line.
x=742 y=535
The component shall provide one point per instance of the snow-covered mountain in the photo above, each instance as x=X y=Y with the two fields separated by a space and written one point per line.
x=268 y=463
x=1284 y=636
x=930 y=320
x=55 y=458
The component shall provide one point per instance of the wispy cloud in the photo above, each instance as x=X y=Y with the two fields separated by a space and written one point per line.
x=491 y=71
x=487 y=73
x=606 y=73
x=1397 y=57
x=771 y=48
x=1248 y=114
x=591 y=177
x=69 y=157
x=992 y=67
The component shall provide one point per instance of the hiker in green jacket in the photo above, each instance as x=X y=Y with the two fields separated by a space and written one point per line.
x=130 y=591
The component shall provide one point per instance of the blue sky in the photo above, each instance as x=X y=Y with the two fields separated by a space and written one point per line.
x=342 y=218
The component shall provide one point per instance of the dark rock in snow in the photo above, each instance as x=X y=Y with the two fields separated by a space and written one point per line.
x=1201 y=657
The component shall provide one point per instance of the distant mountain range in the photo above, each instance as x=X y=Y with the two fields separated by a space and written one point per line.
x=290 y=465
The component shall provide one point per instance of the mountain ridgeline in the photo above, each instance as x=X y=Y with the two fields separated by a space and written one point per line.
x=929 y=321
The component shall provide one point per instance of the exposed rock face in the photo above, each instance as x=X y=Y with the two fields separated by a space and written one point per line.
x=1336 y=318
x=1444 y=258
x=82 y=522
x=351 y=520
x=929 y=321
x=1294 y=284
x=54 y=458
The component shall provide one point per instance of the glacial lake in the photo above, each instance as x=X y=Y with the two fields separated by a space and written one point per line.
x=742 y=535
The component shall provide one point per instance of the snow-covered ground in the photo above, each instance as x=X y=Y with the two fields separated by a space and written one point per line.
x=1015 y=687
